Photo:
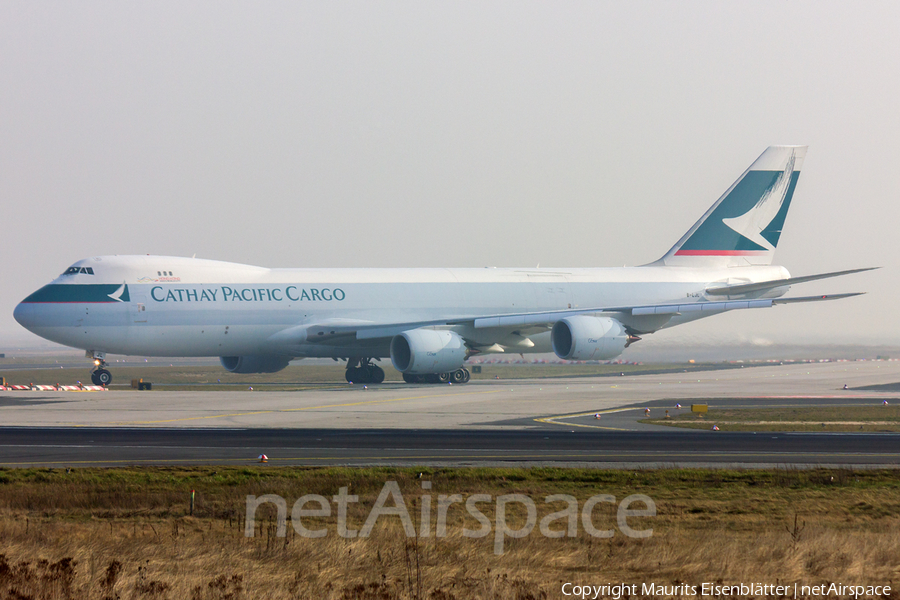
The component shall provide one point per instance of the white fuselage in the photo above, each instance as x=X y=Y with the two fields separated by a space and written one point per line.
x=192 y=307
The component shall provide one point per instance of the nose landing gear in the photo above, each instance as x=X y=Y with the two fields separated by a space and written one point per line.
x=99 y=375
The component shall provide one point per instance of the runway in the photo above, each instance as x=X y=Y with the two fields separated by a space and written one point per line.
x=79 y=447
x=530 y=422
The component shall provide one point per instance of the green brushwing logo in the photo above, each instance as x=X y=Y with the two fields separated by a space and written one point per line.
x=749 y=219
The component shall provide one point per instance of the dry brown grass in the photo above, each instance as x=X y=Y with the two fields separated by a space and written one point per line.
x=125 y=534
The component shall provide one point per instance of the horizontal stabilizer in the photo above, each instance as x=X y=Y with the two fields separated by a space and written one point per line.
x=746 y=288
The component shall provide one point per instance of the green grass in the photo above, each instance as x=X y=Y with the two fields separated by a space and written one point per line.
x=223 y=489
x=874 y=418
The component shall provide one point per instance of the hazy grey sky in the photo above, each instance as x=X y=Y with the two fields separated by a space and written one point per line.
x=449 y=134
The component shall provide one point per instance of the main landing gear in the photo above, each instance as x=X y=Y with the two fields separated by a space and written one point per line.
x=100 y=375
x=457 y=376
x=361 y=370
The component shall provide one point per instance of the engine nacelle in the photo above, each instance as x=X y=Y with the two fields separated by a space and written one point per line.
x=423 y=351
x=255 y=363
x=581 y=337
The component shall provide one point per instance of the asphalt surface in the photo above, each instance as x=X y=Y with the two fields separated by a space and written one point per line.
x=521 y=423
x=74 y=447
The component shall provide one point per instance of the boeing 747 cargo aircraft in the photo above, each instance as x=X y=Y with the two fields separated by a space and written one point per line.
x=428 y=321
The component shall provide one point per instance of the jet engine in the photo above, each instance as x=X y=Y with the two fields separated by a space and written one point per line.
x=255 y=363
x=423 y=351
x=581 y=337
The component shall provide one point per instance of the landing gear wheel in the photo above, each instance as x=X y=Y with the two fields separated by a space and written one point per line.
x=374 y=374
x=412 y=378
x=101 y=377
x=468 y=376
x=458 y=376
x=354 y=375
x=444 y=378
x=360 y=370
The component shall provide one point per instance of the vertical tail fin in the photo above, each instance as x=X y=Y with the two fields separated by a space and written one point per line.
x=743 y=226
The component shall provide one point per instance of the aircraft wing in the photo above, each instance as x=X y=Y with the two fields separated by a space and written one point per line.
x=548 y=318
x=762 y=286
x=343 y=331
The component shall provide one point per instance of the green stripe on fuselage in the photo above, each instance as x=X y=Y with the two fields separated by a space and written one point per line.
x=76 y=292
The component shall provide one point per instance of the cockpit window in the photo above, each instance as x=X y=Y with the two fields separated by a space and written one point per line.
x=75 y=270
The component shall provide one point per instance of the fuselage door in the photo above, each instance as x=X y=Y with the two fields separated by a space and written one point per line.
x=139 y=310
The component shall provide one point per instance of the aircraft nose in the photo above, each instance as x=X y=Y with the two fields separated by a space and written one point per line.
x=24 y=314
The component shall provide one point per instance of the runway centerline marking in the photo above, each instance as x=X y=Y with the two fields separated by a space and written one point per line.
x=323 y=406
